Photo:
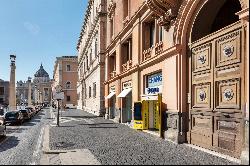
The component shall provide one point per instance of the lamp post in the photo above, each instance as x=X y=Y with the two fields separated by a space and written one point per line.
x=12 y=85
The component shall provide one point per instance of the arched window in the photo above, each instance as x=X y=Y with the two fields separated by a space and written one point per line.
x=68 y=85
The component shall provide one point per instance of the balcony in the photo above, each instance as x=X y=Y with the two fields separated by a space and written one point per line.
x=126 y=66
x=147 y=54
x=158 y=48
x=112 y=74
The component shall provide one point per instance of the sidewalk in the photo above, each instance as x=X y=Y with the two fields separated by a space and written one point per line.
x=84 y=139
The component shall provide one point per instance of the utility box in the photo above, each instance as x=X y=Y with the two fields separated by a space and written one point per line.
x=148 y=113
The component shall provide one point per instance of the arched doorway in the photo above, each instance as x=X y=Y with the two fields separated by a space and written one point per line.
x=216 y=84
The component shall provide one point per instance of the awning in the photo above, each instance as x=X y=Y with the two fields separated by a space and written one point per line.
x=124 y=93
x=110 y=95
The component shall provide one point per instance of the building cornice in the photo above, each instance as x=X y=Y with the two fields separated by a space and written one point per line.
x=101 y=11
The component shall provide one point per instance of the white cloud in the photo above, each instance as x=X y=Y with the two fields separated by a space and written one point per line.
x=34 y=29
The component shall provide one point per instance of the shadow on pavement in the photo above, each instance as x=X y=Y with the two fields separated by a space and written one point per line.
x=9 y=144
x=82 y=117
x=99 y=127
x=29 y=124
x=66 y=126
x=15 y=130
x=95 y=124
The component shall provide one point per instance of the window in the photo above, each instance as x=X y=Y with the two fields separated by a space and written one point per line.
x=127 y=50
x=87 y=62
x=160 y=33
x=68 y=98
x=68 y=68
x=149 y=34
x=94 y=90
x=90 y=56
x=113 y=62
x=68 y=85
x=152 y=33
x=46 y=92
x=96 y=46
x=90 y=92
x=1 y=90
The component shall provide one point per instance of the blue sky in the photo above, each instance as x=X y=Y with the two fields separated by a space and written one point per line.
x=38 y=31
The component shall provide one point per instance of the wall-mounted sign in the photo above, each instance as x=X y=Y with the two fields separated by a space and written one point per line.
x=154 y=80
x=153 y=90
x=154 y=84
x=127 y=85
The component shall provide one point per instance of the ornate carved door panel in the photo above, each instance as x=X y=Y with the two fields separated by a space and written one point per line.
x=217 y=81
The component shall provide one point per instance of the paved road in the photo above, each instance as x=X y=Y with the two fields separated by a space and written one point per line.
x=23 y=143
x=116 y=144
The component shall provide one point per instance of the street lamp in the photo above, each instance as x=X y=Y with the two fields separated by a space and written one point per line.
x=13 y=59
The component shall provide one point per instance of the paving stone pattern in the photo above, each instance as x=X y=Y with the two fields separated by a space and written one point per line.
x=118 y=144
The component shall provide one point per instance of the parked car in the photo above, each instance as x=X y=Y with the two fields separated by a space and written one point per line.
x=70 y=106
x=32 y=110
x=27 y=114
x=2 y=127
x=1 y=112
x=13 y=117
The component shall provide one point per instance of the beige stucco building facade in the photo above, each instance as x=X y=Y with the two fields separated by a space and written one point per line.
x=91 y=47
x=65 y=74
x=196 y=54
x=41 y=87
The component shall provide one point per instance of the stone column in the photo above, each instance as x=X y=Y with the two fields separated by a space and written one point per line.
x=29 y=92
x=36 y=98
x=12 y=85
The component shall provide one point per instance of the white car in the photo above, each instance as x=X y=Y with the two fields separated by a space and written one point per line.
x=70 y=106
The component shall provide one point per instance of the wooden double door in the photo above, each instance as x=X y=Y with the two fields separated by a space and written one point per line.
x=216 y=108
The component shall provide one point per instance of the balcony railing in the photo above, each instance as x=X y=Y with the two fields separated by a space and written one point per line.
x=112 y=74
x=126 y=66
x=158 y=48
x=147 y=54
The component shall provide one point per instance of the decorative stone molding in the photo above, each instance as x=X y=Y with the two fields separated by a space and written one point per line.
x=113 y=74
x=166 y=11
x=111 y=9
x=159 y=48
x=127 y=66
x=147 y=53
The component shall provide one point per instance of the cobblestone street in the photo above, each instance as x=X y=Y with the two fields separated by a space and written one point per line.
x=22 y=146
x=113 y=143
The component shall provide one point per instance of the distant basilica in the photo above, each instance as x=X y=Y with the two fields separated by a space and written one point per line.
x=40 y=89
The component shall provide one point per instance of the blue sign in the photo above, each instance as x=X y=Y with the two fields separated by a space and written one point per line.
x=155 y=80
x=153 y=90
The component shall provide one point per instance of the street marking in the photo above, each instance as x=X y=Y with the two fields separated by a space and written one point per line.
x=38 y=147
